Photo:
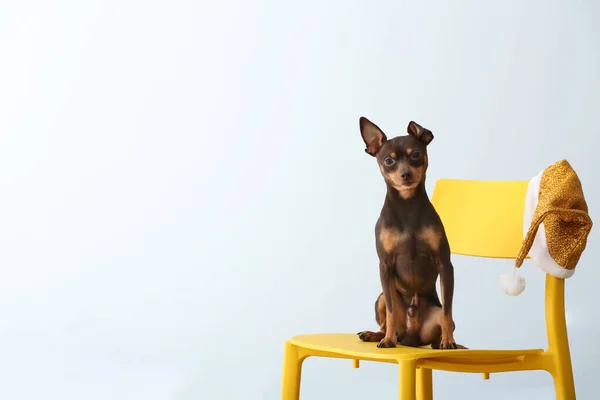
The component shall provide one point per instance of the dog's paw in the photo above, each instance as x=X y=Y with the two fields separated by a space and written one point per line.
x=368 y=336
x=450 y=344
x=386 y=343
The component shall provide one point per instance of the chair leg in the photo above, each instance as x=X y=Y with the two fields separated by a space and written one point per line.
x=424 y=384
x=407 y=377
x=292 y=371
x=563 y=383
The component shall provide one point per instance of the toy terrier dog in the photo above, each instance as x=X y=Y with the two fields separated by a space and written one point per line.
x=412 y=246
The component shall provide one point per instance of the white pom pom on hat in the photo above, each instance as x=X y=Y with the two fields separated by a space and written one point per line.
x=512 y=284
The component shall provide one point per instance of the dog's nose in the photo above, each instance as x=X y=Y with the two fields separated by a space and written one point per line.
x=406 y=174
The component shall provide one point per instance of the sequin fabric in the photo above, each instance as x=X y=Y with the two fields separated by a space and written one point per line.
x=563 y=210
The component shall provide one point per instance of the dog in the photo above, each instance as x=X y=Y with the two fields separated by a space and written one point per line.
x=412 y=246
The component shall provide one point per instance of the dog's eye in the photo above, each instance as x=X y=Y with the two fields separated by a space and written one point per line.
x=389 y=161
x=415 y=155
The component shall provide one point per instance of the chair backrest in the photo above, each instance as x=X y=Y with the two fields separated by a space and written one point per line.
x=485 y=219
x=482 y=218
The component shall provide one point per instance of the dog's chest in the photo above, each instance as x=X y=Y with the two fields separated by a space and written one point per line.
x=414 y=254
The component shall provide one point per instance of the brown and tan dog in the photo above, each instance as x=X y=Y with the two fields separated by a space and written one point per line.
x=412 y=246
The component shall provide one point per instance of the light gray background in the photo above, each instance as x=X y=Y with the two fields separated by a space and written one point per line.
x=183 y=185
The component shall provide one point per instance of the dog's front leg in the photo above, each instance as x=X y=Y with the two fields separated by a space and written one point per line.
x=447 y=288
x=395 y=309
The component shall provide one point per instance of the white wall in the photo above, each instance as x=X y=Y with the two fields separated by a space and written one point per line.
x=183 y=185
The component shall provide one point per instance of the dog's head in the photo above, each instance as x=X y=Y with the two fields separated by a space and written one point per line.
x=403 y=159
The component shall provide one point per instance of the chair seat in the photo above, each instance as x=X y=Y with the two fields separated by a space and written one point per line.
x=348 y=345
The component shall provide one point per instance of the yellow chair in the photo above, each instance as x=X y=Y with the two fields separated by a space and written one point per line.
x=482 y=219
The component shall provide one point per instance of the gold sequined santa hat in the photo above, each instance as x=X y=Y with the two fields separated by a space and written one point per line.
x=556 y=225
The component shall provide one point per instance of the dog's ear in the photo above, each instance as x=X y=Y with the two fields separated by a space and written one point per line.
x=373 y=137
x=424 y=135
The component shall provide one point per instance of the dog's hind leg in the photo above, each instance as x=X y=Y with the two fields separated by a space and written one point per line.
x=380 y=317
x=431 y=328
x=431 y=331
